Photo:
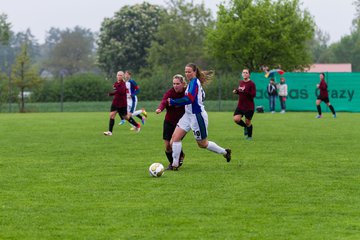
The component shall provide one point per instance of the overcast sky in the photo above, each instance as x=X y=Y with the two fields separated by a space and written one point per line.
x=332 y=16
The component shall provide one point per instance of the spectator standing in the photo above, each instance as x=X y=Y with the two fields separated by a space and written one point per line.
x=272 y=92
x=283 y=92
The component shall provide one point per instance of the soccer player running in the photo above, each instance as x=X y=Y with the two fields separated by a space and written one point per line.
x=323 y=96
x=245 y=106
x=119 y=104
x=173 y=115
x=132 y=99
x=195 y=117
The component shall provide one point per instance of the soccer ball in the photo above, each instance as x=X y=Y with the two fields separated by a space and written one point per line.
x=156 y=169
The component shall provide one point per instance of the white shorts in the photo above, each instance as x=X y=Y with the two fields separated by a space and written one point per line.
x=131 y=105
x=198 y=123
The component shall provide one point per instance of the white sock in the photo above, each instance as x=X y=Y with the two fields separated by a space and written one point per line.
x=137 y=112
x=176 y=150
x=215 y=148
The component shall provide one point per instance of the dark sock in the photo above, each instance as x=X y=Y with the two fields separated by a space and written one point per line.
x=132 y=121
x=250 y=130
x=139 y=116
x=319 y=109
x=332 y=109
x=241 y=123
x=169 y=156
x=181 y=158
x=111 y=124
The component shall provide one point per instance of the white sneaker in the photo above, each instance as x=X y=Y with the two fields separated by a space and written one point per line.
x=272 y=111
x=282 y=111
x=108 y=133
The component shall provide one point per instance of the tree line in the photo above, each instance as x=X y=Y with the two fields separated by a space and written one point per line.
x=155 y=43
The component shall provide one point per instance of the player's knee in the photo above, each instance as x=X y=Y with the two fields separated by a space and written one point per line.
x=236 y=119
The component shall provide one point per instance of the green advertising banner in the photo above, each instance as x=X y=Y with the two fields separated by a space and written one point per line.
x=343 y=88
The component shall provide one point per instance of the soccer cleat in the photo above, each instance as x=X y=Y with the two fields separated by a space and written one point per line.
x=122 y=122
x=144 y=112
x=143 y=120
x=132 y=129
x=108 y=133
x=245 y=131
x=137 y=129
x=170 y=167
x=334 y=115
x=227 y=155
x=319 y=116
x=248 y=138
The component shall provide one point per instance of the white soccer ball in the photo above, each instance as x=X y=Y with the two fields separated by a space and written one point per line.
x=156 y=169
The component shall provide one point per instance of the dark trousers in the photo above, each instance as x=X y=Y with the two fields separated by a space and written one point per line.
x=272 y=102
x=282 y=102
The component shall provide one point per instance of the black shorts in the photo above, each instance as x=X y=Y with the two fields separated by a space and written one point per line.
x=121 y=110
x=247 y=114
x=168 y=130
x=325 y=100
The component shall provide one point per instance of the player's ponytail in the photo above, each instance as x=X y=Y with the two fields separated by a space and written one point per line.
x=203 y=76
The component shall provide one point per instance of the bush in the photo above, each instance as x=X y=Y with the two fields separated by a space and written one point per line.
x=79 y=87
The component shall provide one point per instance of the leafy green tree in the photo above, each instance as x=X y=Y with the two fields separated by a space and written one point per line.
x=319 y=46
x=124 y=38
x=180 y=38
x=9 y=51
x=23 y=75
x=4 y=29
x=251 y=34
x=357 y=13
x=71 y=50
x=26 y=37
x=347 y=50
x=3 y=88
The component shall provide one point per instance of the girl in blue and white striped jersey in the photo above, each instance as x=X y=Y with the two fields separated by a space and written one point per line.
x=195 y=117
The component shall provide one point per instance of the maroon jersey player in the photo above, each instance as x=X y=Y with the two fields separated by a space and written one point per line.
x=245 y=107
x=173 y=114
x=119 y=104
x=323 y=96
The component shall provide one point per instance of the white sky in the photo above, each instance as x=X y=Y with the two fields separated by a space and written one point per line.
x=332 y=16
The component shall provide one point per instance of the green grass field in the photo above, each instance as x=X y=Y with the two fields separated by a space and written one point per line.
x=62 y=179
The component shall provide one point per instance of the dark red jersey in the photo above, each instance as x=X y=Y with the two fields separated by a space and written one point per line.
x=323 y=89
x=173 y=113
x=119 y=94
x=247 y=93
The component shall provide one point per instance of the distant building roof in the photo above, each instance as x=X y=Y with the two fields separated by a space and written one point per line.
x=329 y=67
